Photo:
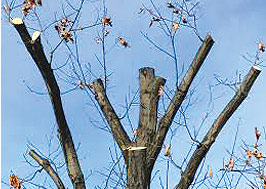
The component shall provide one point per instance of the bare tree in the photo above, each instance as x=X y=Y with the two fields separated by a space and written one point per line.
x=141 y=152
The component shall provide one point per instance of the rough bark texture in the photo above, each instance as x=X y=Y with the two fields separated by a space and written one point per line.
x=135 y=153
x=149 y=97
x=117 y=129
x=202 y=150
x=178 y=98
x=36 y=51
x=44 y=163
x=150 y=134
x=141 y=154
x=137 y=173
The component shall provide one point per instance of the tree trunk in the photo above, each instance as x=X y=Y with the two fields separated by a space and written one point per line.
x=137 y=172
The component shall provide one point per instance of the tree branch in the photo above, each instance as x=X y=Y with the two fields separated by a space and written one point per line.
x=48 y=168
x=149 y=97
x=117 y=129
x=178 y=98
x=36 y=51
x=202 y=150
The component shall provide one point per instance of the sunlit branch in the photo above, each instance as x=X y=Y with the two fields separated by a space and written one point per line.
x=149 y=97
x=179 y=96
x=118 y=131
x=197 y=157
x=44 y=163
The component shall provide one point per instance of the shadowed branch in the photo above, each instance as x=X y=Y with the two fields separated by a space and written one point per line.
x=34 y=47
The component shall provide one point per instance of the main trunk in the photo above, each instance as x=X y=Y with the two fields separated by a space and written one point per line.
x=138 y=173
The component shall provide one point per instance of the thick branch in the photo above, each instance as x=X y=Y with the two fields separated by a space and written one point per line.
x=36 y=51
x=48 y=168
x=202 y=150
x=117 y=129
x=178 y=98
x=149 y=97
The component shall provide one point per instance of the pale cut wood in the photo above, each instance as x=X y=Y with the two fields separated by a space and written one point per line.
x=137 y=148
x=16 y=21
x=35 y=35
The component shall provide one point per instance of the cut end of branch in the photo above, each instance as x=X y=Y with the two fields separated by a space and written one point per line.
x=134 y=148
x=16 y=21
x=146 y=68
x=36 y=35
x=209 y=38
x=137 y=148
x=256 y=68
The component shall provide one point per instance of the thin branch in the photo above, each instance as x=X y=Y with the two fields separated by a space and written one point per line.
x=157 y=46
x=48 y=168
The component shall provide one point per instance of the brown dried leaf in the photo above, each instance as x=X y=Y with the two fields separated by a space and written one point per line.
x=167 y=151
x=259 y=155
x=80 y=84
x=14 y=182
x=106 y=21
x=175 y=27
x=231 y=164
x=257 y=133
x=249 y=153
x=211 y=174
x=261 y=47
x=123 y=42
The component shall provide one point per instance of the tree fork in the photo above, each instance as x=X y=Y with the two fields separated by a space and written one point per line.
x=148 y=136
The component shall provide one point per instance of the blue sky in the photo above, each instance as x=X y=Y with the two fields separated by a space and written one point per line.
x=236 y=26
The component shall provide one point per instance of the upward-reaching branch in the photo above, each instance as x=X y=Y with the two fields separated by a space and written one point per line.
x=117 y=129
x=149 y=97
x=36 y=51
x=178 y=98
x=202 y=150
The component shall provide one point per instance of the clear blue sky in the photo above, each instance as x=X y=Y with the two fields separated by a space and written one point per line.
x=236 y=26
